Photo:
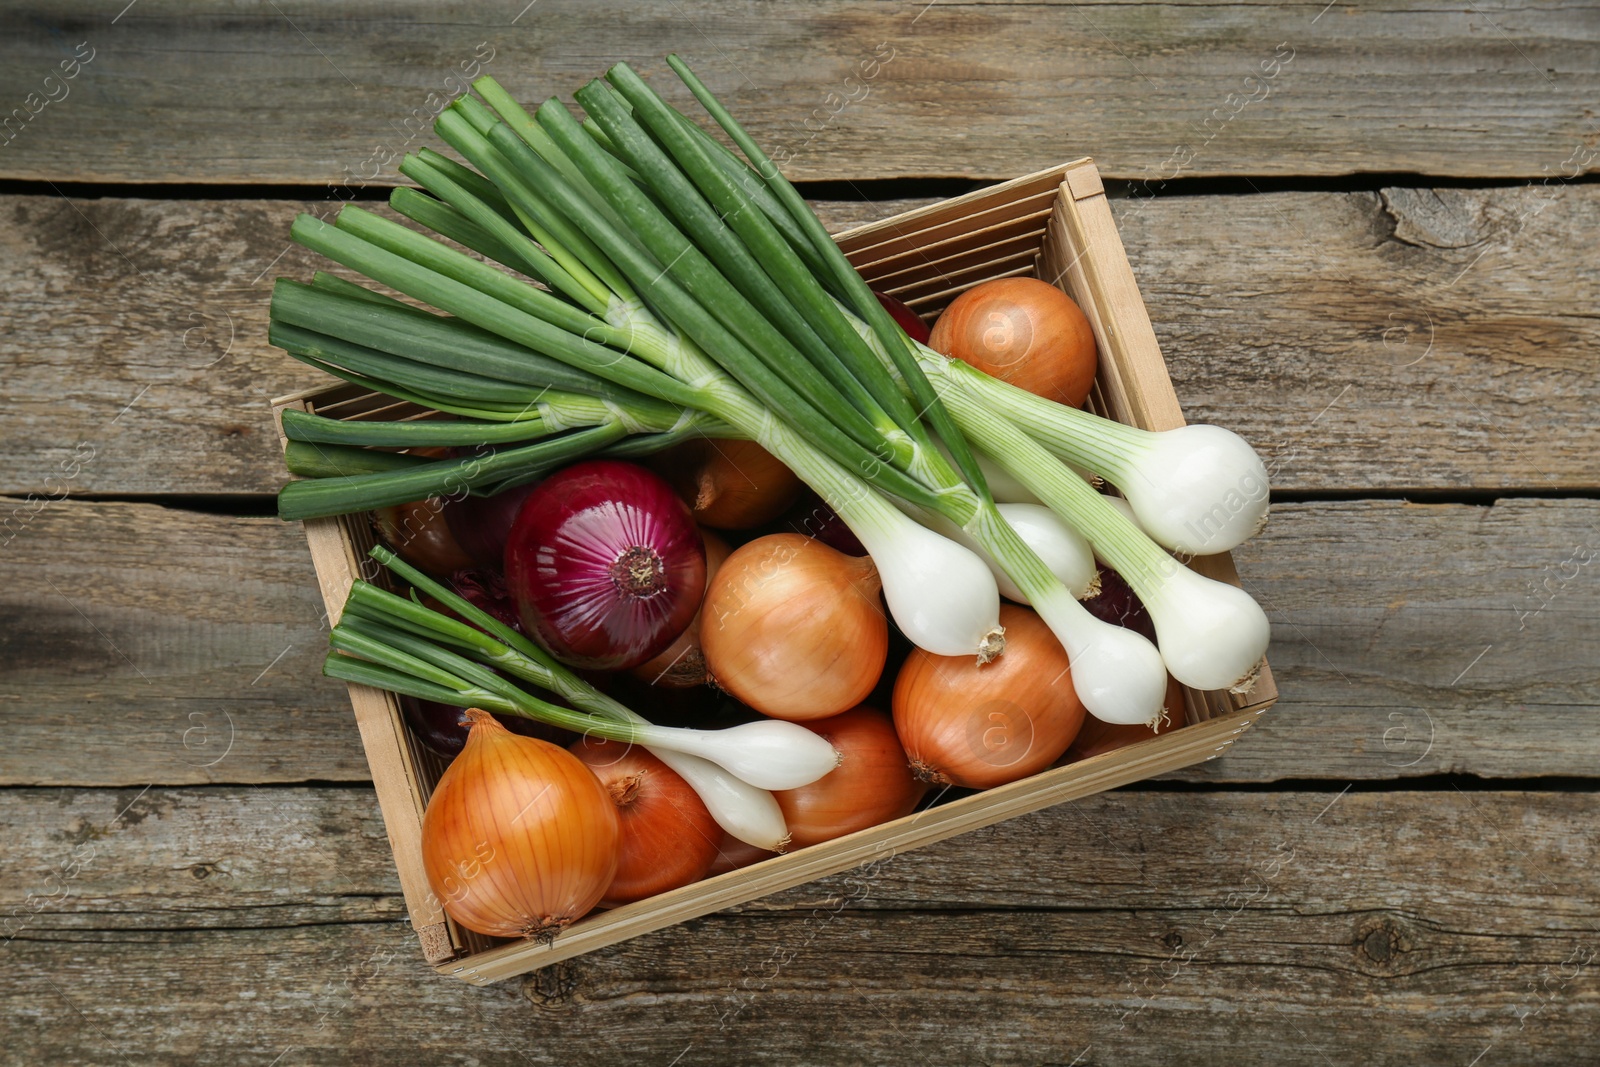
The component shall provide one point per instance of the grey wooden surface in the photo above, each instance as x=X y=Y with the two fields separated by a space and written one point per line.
x=1378 y=264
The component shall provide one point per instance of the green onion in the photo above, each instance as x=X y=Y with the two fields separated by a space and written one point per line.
x=689 y=292
x=769 y=754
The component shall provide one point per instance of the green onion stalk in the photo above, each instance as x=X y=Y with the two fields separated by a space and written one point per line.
x=667 y=288
x=395 y=643
x=1182 y=486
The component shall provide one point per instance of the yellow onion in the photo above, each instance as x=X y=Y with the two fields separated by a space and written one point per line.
x=732 y=485
x=520 y=838
x=668 y=837
x=979 y=726
x=1023 y=331
x=795 y=629
x=872 y=784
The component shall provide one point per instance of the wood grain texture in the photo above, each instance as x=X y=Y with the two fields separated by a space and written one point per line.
x=145 y=644
x=1403 y=339
x=1416 y=639
x=295 y=93
x=1448 y=639
x=1410 y=338
x=1212 y=928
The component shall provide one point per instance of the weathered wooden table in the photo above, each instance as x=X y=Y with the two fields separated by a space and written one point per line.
x=1366 y=233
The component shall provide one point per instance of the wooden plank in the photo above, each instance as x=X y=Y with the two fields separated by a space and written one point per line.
x=1390 y=340
x=1413 y=338
x=295 y=93
x=1384 y=660
x=145 y=644
x=1210 y=928
x=1426 y=639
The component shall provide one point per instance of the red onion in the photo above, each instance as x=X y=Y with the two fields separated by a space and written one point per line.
x=481 y=524
x=485 y=589
x=1119 y=605
x=909 y=321
x=605 y=565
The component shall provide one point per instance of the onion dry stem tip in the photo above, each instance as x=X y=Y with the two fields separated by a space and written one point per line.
x=992 y=646
x=1248 y=682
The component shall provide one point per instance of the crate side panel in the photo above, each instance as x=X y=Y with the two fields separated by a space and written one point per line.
x=1191 y=745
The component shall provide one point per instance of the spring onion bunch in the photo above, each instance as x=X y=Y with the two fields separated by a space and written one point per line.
x=636 y=283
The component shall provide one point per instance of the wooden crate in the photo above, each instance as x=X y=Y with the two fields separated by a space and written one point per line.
x=1056 y=225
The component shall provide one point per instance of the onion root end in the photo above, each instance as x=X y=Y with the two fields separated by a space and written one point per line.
x=992 y=645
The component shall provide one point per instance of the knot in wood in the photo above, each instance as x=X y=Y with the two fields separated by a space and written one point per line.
x=1382 y=941
x=552 y=986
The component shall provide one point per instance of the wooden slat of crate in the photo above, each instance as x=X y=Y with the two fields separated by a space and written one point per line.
x=1193 y=744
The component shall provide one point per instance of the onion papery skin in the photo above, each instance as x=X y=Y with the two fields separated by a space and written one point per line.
x=519 y=839
x=1117 y=604
x=873 y=783
x=730 y=484
x=1025 y=332
x=421 y=534
x=485 y=589
x=482 y=524
x=605 y=565
x=812 y=517
x=978 y=726
x=682 y=664
x=795 y=629
x=669 y=839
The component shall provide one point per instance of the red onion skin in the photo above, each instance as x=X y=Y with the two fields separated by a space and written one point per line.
x=733 y=854
x=605 y=565
x=909 y=321
x=481 y=524
x=1117 y=604
x=485 y=589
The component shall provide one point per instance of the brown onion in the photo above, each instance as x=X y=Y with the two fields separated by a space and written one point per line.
x=873 y=783
x=733 y=854
x=683 y=663
x=668 y=837
x=1025 y=332
x=794 y=628
x=731 y=485
x=519 y=838
x=420 y=533
x=980 y=726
